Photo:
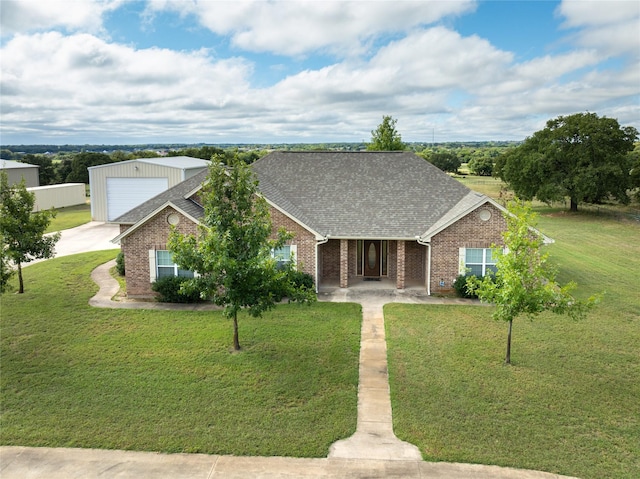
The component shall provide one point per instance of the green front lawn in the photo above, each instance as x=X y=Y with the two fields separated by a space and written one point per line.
x=569 y=403
x=70 y=217
x=77 y=376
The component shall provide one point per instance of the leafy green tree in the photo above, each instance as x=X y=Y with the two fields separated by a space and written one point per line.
x=524 y=283
x=143 y=154
x=204 y=153
x=46 y=171
x=445 y=160
x=581 y=156
x=6 y=270
x=232 y=253
x=634 y=158
x=21 y=230
x=481 y=166
x=82 y=161
x=386 y=137
x=62 y=169
x=120 y=155
x=6 y=154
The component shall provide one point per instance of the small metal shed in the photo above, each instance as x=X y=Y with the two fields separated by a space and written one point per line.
x=116 y=188
x=17 y=170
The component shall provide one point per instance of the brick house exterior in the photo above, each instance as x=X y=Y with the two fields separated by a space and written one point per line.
x=354 y=216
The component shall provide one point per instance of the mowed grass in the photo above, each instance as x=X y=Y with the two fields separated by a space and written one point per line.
x=487 y=185
x=77 y=376
x=569 y=404
x=70 y=217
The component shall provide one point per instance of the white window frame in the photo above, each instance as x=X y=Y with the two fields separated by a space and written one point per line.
x=293 y=257
x=486 y=253
x=154 y=266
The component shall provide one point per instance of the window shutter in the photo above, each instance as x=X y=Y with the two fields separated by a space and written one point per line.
x=294 y=253
x=461 y=261
x=152 y=266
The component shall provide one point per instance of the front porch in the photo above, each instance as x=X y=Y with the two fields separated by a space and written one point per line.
x=373 y=265
x=364 y=284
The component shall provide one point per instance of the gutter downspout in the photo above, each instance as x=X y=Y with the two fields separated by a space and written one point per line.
x=428 y=245
x=318 y=243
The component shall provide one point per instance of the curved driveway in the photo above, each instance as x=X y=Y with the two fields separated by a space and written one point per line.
x=92 y=236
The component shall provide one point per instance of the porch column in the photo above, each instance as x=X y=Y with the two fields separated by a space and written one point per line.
x=400 y=265
x=344 y=263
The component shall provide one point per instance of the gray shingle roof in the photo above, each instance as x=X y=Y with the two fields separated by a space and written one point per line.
x=359 y=194
x=382 y=195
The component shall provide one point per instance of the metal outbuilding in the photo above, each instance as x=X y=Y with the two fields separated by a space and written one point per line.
x=119 y=187
x=17 y=170
x=58 y=196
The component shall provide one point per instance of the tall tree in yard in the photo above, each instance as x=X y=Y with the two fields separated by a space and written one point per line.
x=524 y=284
x=386 y=137
x=22 y=232
x=581 y=156
x=232 y=251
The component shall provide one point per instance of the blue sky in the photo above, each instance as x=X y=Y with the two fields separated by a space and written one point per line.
x=188 y=71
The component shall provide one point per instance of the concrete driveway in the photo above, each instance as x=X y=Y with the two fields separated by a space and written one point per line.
x=92 y=236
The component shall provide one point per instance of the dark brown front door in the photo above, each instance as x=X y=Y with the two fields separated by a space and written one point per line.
x=371 y=258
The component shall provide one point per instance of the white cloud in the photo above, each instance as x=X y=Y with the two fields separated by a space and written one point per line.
x=601 y=12
x=612 y=26
x=61 y=81
x=391 y=60
x=425 y=65
x=297 y=28
x=19 y=16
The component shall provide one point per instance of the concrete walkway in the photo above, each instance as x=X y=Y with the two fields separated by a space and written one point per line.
x=374 y=437
x=372 y=452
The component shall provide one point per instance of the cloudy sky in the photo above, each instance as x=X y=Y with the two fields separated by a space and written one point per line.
x=120 y=71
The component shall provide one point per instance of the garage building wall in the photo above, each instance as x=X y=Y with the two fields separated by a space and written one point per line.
x=126 y=169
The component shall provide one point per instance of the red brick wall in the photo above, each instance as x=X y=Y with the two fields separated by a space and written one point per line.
x=392 y=260
x=401 y=264
x=135 y=247
x=353 y=258
x=153 y=236
x=415 y=265
x=305 y=241
x=330 y=259
x=468 y=232
x=344 y=263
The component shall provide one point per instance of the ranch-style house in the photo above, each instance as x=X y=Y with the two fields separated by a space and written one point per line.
x=356 y=216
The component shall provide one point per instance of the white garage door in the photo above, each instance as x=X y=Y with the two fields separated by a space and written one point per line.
x=124 y=194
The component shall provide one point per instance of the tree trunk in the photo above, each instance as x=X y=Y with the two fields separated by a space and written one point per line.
x=21 y=289
x=236 y=342
x=574 y=206
x=507 y=360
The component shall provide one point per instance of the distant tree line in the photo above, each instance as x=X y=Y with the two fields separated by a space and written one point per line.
x=73 y=167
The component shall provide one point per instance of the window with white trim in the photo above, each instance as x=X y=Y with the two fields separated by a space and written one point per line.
x=284 y=255
x=477 y=261
x=165 y=266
